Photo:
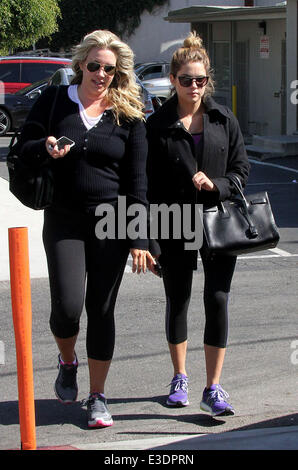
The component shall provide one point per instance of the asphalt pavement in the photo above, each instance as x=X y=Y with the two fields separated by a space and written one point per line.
x=262 y=383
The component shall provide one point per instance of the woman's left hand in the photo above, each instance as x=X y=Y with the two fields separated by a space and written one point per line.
x=141 y=259
x=201 y=181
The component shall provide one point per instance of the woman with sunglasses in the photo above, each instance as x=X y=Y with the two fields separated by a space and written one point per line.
x=194 y=143
x=102 y=113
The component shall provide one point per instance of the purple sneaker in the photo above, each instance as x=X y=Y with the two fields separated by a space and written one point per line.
x=178 y=392
x=214 y=401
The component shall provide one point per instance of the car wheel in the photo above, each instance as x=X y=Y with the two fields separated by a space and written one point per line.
x=5 y=122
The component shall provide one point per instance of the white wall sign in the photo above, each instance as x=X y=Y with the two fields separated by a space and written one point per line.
x=264 y=47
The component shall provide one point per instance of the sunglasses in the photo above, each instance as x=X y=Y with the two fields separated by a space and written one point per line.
x=94 y=66
x=186 y=81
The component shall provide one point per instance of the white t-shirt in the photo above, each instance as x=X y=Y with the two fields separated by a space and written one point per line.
x=88 y=121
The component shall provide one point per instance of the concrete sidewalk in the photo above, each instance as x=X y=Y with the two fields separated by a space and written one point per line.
x=283 y=438
x=14 y=214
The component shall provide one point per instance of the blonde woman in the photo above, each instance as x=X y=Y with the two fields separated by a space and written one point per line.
x=194 y=144
x=102 y=114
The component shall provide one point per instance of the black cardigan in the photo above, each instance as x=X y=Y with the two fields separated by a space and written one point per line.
x=171 y=159
x=106 y=161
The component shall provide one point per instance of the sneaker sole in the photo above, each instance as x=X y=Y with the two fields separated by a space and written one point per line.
x=100 y=424
x=178 y=404
x=207 y=408
x=65 y=402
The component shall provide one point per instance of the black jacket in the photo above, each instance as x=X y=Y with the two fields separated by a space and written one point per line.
x=171 y=162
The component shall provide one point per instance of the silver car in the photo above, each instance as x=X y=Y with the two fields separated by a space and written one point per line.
x=160 y=87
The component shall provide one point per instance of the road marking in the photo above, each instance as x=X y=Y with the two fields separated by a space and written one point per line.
x=280 y=252
x=281 y=167
x=262 y=184
x=276 y=253
x=264 y=256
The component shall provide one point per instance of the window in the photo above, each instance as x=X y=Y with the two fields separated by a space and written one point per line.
x=153 y=71
x=221 y=65
x=56 y=79
x=9 y=73
x=33 y=72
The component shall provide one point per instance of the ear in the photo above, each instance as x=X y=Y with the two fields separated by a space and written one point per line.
x=172 y=79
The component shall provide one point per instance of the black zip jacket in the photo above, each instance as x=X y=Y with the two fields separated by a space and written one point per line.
x=171 y=160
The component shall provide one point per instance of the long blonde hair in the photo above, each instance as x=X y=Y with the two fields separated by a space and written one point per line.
x=123 y=93
x=193 y=51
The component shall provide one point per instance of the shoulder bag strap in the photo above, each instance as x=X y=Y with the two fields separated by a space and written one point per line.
x=52 y=111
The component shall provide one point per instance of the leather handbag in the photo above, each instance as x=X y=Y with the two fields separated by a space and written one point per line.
x=33 y=186
x=241 y=224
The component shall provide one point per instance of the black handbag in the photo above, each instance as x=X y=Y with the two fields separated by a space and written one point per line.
x=241 y=224
x=33 y=186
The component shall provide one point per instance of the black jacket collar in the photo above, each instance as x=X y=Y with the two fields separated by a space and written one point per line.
x=167 y=115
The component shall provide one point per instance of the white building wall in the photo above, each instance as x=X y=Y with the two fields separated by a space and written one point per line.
x=157 y=39
x=264 y=76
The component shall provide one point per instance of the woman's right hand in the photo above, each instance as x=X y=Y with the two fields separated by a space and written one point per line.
x=201 y=181
x=52 y=148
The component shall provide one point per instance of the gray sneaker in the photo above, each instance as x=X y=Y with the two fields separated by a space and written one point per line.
x=97 y=411
x=66 y=388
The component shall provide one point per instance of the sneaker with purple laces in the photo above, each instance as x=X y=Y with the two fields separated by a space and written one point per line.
x=214 y=401
x=178 y=392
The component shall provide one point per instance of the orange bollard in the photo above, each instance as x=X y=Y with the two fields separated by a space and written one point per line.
x=22 y=321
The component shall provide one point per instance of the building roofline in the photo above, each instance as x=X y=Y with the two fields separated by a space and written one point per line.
x=204 y=13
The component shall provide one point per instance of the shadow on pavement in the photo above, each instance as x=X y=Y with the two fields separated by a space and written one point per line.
x=50 y=412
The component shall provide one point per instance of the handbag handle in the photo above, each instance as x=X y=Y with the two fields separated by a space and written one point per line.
x=235 y=180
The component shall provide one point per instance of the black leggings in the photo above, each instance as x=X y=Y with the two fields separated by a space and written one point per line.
x=75 y=254
x=218 y=272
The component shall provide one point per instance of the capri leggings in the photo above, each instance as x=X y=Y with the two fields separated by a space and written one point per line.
x=83 y=268
x=218 y=271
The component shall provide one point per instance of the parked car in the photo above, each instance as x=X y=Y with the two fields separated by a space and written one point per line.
x=151 y=70
x=160 y=87
x=63 y=77
x=14 y=108
x=17 y=72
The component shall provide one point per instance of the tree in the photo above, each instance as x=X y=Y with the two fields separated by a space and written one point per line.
x=23 y=22
x=79 y=17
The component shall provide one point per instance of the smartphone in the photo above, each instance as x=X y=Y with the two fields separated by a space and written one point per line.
x=158 y=269
x=62 y=141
